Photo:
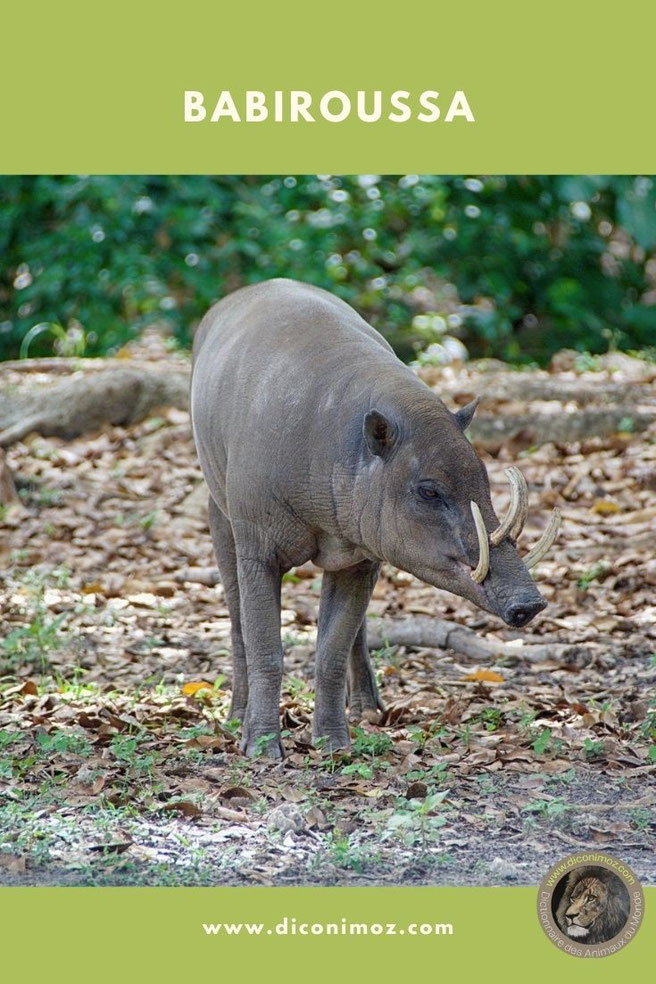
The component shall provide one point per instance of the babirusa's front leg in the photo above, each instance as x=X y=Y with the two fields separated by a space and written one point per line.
x=344 y=599
x=362 y=696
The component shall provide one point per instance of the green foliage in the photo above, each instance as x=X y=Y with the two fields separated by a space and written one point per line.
x=548 y=809
x=370 y=745
x=592 y=574
x=352 y=856
x=491 y=718
x=415 y=821
x=541 y=743
x=648 y=727
x=373 y=743
x=33 y=641
x=519 y=267
x=359 y=769
x=593 y=747
x=64 y=743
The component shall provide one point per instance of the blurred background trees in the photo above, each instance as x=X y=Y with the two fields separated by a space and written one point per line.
x=515 y=267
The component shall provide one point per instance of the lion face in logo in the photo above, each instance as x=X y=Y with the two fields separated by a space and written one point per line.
x=586 y=904
x=594 y=906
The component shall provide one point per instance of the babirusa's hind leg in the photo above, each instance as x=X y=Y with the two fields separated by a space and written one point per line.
x=224 y=551
x=260 y=581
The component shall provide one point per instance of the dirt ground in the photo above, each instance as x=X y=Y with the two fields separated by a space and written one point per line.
x=118 y=764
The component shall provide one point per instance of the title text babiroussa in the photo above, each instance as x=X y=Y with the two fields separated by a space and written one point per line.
x=335 y=106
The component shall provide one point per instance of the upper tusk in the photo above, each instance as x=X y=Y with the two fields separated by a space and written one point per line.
x=513 y=524
x=483 y=565
x=535 y=555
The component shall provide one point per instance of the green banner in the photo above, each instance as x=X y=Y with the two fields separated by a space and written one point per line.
x=291 y=933
x=503 y=87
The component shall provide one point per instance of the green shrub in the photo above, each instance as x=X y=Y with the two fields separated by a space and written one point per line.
x=517 y=266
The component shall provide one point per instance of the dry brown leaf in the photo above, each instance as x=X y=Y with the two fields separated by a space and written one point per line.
x=237 y=792
x=92 y=587
x=13 y=863
x=371 y=792
x=416 y=790
x=487 y=676
x=292 y=794
x=186 y=807
x=315 y=817
x=190 y=689
x=113 y=847
x=605 y=507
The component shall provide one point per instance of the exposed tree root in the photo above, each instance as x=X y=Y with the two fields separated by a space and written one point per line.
x=209 y=576
x=528 y=388
x=8 y=493
x=434 y=633
x=88 y=402
x=425 y=632
x=111 y=392
x=493 y=430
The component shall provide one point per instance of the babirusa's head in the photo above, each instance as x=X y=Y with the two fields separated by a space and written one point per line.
x=428 y=511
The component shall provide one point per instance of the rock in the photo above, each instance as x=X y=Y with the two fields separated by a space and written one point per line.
x=286 y=818
x=504 y=870
x=580 y=823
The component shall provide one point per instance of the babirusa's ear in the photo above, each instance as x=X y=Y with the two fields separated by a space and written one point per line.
x=380 y=433
x=464 y=416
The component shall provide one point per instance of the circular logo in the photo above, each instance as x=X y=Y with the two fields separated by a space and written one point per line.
x=590 y=904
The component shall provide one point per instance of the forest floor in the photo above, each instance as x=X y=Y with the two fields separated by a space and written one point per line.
x=118 y=764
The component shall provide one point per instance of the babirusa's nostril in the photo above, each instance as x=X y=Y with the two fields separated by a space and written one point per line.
x=522 y=613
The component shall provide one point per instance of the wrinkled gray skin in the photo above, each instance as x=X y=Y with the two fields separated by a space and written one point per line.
x=318 y=444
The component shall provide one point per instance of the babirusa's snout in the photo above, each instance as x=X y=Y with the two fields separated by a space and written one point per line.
x=511 y=526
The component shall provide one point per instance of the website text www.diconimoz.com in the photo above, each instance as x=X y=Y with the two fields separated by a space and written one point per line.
x=290 y=926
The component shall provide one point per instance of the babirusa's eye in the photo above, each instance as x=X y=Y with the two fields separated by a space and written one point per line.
x=430 y=494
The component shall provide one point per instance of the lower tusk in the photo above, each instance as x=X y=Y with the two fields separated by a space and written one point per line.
x=483 y=565
x=513 y=523
x=547 y=539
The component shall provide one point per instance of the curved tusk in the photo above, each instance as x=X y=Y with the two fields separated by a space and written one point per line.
x=513 y=524
x=535 y=555
x=483 y=566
